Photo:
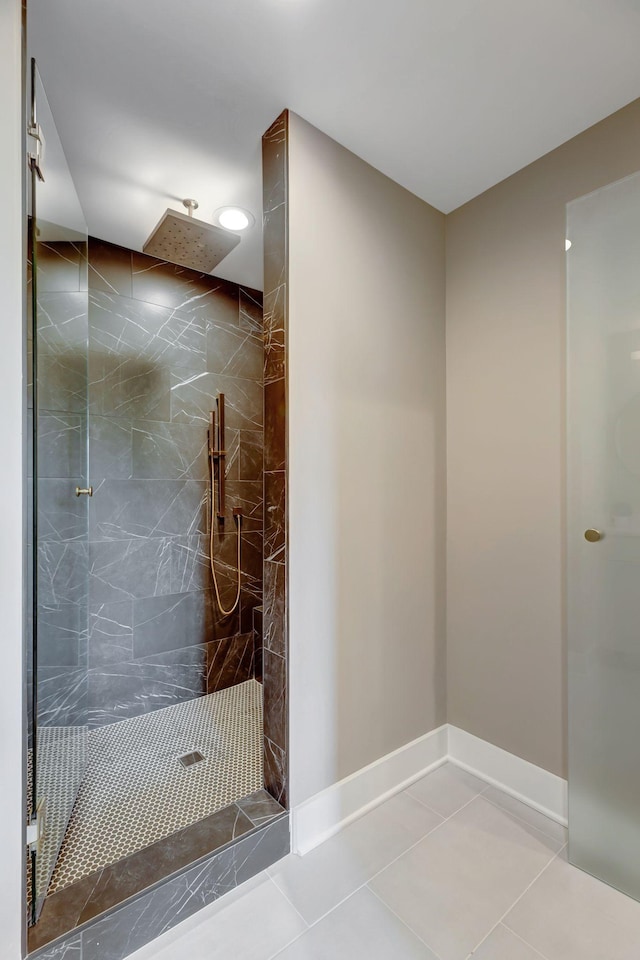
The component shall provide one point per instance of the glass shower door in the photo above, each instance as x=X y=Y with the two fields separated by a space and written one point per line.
x=58 y=500
x=603 y=288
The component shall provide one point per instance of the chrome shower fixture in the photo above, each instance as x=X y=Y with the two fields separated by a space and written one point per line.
x=181 y=238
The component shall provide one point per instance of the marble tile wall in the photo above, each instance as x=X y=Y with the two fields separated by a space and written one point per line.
x=163 y=341
x=274 y=620
x=129 y=926
x=62 y=331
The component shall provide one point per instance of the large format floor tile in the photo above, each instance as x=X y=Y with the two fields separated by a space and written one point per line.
x=254 y=922
x=361 y=927
x=489 y=882
x=568 y=915
x=318 y=881
x=458 y=882
x=447 y=789
x=503 y=944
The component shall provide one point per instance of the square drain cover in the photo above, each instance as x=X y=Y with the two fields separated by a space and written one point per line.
x=189 y=759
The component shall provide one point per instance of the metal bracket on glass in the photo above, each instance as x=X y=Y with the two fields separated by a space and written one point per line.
x=36 y=153
x=35 y=829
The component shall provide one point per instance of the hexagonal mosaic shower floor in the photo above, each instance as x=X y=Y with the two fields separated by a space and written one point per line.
x=136 y=791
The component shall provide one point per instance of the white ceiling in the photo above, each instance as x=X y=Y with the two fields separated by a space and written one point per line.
x=156 y=100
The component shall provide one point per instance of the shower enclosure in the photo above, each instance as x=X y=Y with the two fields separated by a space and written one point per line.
x=146 y=736
x=603 y=287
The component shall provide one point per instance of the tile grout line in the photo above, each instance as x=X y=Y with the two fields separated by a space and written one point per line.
x=521 y=820
x=403 y=922
x=283 y=894
x=510 y=908
x=366 y=883
x=522 y=940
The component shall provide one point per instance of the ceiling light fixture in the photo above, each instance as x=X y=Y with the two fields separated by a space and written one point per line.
x=234 y=218
x=567 y=244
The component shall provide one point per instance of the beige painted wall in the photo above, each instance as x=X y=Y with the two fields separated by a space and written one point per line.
x=367 y=463
x=505 y=443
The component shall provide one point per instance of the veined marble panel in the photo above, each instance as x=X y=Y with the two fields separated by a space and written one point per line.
x=193 y=396
x=123 y=509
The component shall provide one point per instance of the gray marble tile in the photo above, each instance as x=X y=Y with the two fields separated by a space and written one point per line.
x=275 y=306
x=230 y=661
x=63 y=323
x=251 y=564
x=194 y=294
x=121 y=386
x=61 y=514
x=109 y=267
x=69 y=949
x=190 y=568
x=274 y=603
x=274 y=227
x=251 y=455
x=62 y=445
x=275 y=698
x=62 y=381
x=248 y=495
x=61 y=912
x=275 y=424
x=62 y=696
x=122 y=509
x=274 y=515
x=159 y=861
x=260 y=807
x=126 y=328
x=58 y=265
x=251 y=310
x=110 y=448
x=193 y=397
x=63 y=572
x=168 y=623
x=172 y=451
x=276 y=772
x=234 y=351
x=110 y=633
x=111 y=564
x=122 y=690
x=119 y=934
x=62 y=634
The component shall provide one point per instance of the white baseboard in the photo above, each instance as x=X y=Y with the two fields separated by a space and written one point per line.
x=534 y=786
x=323 y=815
x=329 y=811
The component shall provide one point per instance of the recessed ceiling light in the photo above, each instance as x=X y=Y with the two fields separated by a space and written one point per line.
x=567 y=244
x=234 y=218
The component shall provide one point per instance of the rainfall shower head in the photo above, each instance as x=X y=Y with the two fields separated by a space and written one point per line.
x=180 y=238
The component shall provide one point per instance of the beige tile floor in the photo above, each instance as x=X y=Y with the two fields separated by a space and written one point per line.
x=446 y=870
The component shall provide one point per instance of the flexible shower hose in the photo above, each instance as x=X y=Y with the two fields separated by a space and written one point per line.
x=225 y=613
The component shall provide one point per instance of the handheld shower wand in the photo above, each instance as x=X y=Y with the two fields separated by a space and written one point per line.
x=217 y=511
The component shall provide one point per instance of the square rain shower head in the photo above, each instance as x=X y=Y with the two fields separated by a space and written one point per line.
x=180 y=238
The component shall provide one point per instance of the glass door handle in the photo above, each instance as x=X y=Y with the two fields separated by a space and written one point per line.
x=84 y=491
x=593 y=535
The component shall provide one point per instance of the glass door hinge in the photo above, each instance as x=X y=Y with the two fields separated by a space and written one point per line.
x=35 y=829
x=36 y=149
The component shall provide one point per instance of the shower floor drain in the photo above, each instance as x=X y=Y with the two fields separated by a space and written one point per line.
x=189 y=759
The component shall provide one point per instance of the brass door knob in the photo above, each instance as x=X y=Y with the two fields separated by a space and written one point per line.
x=593 y=535
x=84 y=491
